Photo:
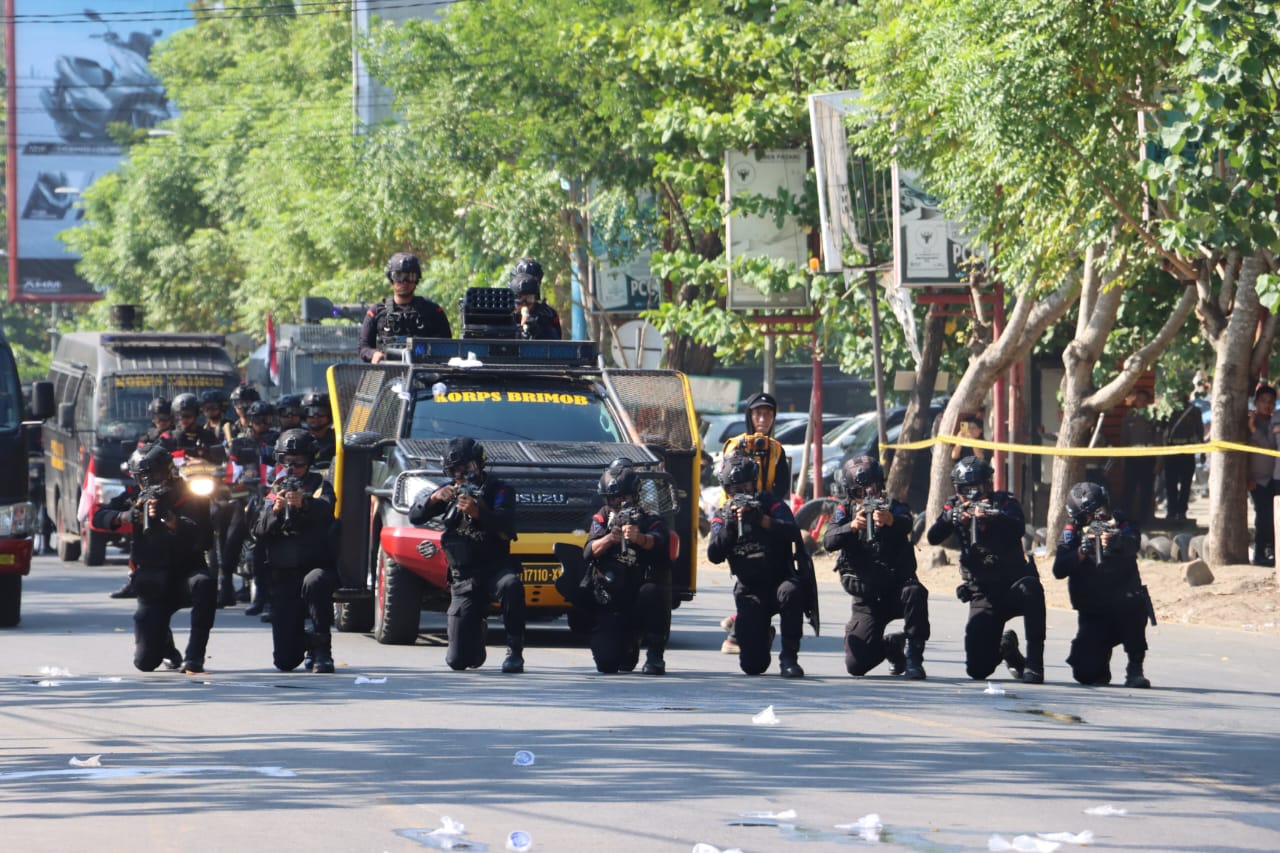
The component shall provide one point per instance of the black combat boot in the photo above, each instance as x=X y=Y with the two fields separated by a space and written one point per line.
x=126 y=591
x=1011 y=655
x=322 y=653
x=895 y=652
x=788 y=666
x=227 y=592
x=914 y=660
x=514 y=661
x=1133 y=676
x=259 y=602
x=653 y=663
x=1033 y=673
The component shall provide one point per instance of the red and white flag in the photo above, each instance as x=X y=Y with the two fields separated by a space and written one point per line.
x=273 y=364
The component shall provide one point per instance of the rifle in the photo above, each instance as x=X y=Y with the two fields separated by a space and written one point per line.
x=974 y=509
x=870 y=505
x=288 y=484
x=626 y=514
x=468 y=488
x=745 y=501
x=1151 y=608
x=159 y=494
x=1099 y=526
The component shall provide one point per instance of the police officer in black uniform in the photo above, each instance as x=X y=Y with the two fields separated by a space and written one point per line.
x=319 y=416
x=628 y=584
x=241 y=399
x=213 y=404
x=293 y=527
x=190 y=437
x=999 y=583
x=537 y=320
x=1098 y=554
x=402 y=314
x=259 y=469
x=161 y=429
x=289 y=413
x=479 y=525
x=877 y=566
x=755 y=532
x=171 y=532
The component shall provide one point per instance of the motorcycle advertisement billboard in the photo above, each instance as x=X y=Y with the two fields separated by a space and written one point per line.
x=73 y=73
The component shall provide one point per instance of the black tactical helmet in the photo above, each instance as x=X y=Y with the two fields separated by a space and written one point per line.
x=526 y=278
x=151 y=465
x=186 y=403
x=459 y=452
x=971 y=471
x=403 y=262
x=295 y=442
x=244 y=395
x=159 y=406
x=863 y=472
x=1085 y=499
x=737 y=470
x=290 y=405
x=213 y=397
x=618 y=480
x=261 y=409
x=315 y=400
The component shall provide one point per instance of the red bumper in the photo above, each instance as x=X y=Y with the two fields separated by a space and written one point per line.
x=15 y=556
x=406 y=545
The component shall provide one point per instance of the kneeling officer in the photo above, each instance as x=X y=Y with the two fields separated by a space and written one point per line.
x=755 y=532
x=629 y=582
x=877 y=566
x=479 y=525
x=293 y=526
x=171 y=532
x=1098 y=555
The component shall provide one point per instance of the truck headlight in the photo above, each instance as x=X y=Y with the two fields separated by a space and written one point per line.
x=18 y=519
x=201 y=486
x=409 y=486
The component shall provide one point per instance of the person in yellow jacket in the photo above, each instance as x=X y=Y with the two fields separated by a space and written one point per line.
x=774 y=475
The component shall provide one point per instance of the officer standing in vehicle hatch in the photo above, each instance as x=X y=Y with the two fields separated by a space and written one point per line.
x=403 y=314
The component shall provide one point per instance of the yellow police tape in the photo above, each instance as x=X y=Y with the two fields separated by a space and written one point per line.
x=1050 y=450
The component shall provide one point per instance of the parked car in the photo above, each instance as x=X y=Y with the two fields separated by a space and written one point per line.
x=864 y=440
x=842 y=426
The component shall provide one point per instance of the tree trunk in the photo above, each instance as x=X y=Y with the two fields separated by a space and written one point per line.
x=1228 y=539
x=915 y=424
x=1024 y=326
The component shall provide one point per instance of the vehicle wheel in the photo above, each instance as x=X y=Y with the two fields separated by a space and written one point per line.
x=68 y=547
x=353 y=617
x=399 y=603
x=813 y=518
x=94 y=546
x=579 y=622
x=10 y=600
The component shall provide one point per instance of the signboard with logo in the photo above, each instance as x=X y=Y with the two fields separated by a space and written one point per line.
x=928 y=249
x=73 y=74
x=765 y=173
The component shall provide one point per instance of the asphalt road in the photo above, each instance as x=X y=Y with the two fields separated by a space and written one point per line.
x=247 y=758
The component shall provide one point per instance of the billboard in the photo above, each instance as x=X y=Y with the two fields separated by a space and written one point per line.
x=753 y=236
x=928 y=248
x=72 y=73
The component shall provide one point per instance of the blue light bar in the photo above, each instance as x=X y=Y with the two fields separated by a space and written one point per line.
x=563 y=353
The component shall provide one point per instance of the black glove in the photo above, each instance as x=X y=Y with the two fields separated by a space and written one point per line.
x=964 y=592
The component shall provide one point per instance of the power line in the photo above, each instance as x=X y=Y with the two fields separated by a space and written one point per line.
x=283 y=10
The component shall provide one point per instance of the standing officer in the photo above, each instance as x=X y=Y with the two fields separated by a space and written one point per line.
x=241 y=399
x=755 y=532
x=293 y=527
x=629 y=581
x=877 y=566
x=479 y=525
x=319 y=415
x=1098 y=554
x=171 y=532
x=289 y=412
x=402 y=315
x=161 y=429
x=190 y=437
x=758 y=443
x=537 y=320
x=999 y=583
x=213 y=403
x=258 y=473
